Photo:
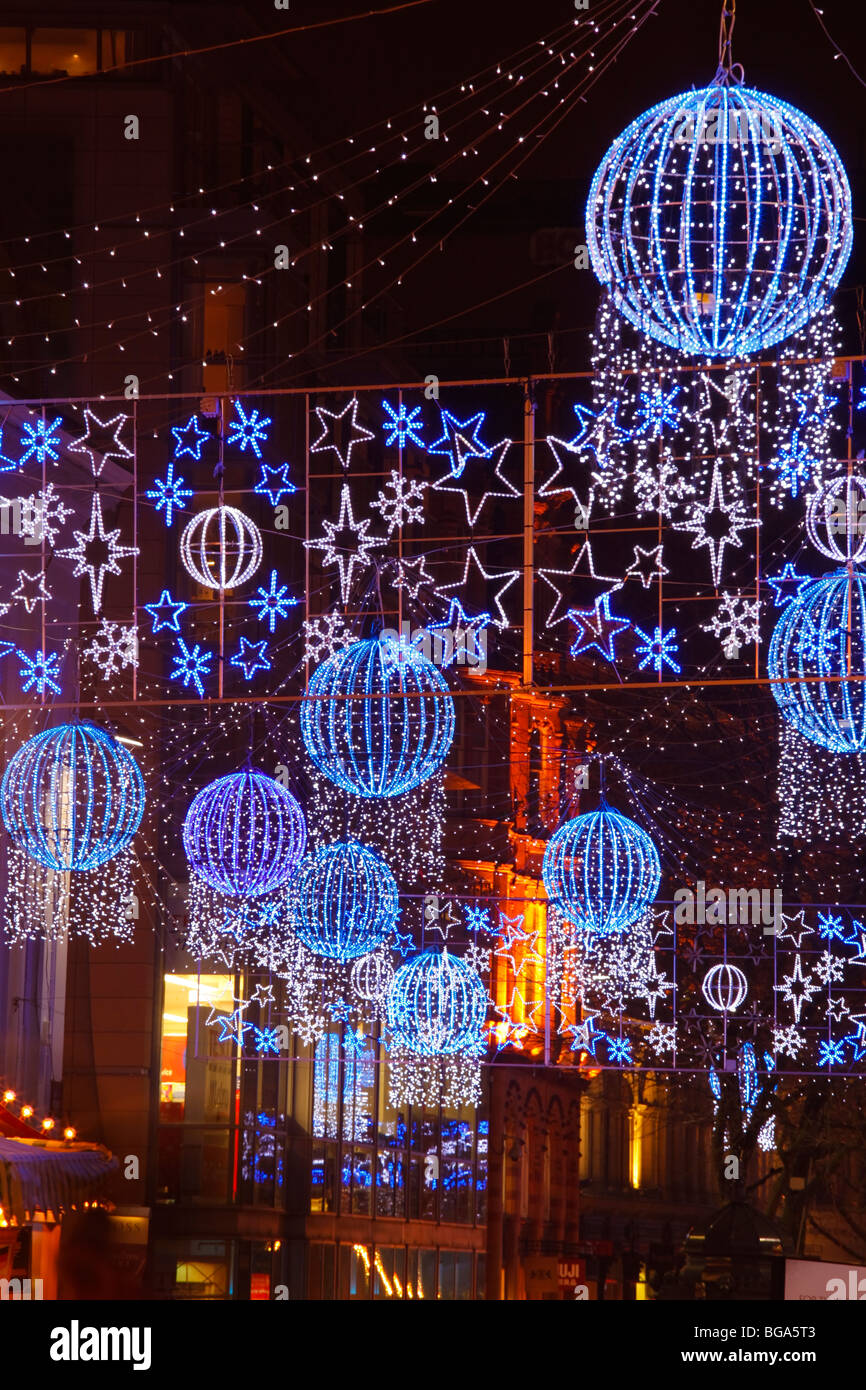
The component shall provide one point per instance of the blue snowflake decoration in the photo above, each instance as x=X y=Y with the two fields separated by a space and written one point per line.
x=795 y=463
x=189 y=439
x=400 y=426
x=41 y=670
x=72 y=797
x=40 y=440
x=437 y=1006
x=344 y=901
x=720 y=221
x=658 y=651
x=274 y=483
x=244 y=834
x=477 y=918
x=191 y=667
x=619 y=1050
x=166 y=612
x=248 y=431
x=272 y=602
x=831 y=1052
x=251 y=657
x=820 y=634
x=601 y=871
x=169 y=493
x=830 y=926
x=370 y=744
x=266 y=1039
x=657 y=411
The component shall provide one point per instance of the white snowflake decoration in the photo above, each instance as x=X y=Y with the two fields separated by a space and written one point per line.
x=325 y=635
x=405 y=505
x=113 y=647
x=735 y=623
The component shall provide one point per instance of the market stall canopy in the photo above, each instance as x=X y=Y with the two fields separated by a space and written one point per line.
x=46 y=1176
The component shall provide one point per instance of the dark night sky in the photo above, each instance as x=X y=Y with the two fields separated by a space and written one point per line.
x=353 y=74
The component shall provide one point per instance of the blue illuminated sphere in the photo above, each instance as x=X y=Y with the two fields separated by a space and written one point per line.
x=72 y=797
x=601 y=871
x=344 y=901
x=720 y=221
x=244 y=834
x=823 y=634
x=384 y=744
x=437 y=1004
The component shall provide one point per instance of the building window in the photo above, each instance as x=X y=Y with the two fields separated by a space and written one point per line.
x=73 y=51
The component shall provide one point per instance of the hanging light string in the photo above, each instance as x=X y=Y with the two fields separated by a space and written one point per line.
x=728 y=71
x=838 y=52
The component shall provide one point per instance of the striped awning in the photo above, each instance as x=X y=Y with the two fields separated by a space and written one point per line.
x=48 y=1177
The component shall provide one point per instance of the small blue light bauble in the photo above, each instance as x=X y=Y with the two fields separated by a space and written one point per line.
x=601 y=871
x=378 y=718
x=72 y=797
x=244 y=834
x=821 y=634
x=344 y=901
x=437 y=1005
x=720 y=221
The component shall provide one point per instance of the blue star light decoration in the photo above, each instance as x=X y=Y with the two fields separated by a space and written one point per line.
x=39 y=440
x=795 y=463
x=251 y=657
x=658 y=651
x=42 y=670
x=459 y=441
x=274 y=483
x=790 y=581
x=598 y=628
x=169 y=493
x=189 y=439
x=190 y=667
x=166 y=612
x=657 y=411
x=401 y=426
x=248 y=431
x=585 y=1036
x=7 y=465
x=272 y=603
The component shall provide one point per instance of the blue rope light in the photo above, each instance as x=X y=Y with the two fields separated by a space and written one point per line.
x=344 y=901
x=377 y=746
x=437 y=1005
x=72 y=797
x=601 y=871
x=720 y=220
x=822 y=633
x=244 y=834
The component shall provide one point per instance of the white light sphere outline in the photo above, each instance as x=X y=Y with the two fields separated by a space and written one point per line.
x=725 y=987
x=371 y=976
x=775 y=235
x=197 y=548
x=821 y=634
x=840 y=499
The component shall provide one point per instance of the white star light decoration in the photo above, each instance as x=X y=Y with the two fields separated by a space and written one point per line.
x=473 y=474
x=736 y=517
x=329 y=420
x=97 y=536
x=101 y=441
x=797 y=989
x=346 y=544
x=31 y=589
x=508 y=577
x=582 y=568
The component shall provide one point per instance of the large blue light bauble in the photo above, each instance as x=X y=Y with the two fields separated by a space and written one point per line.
x=344 y=901
x=601 y=871
x=377 y=718
x=720 y=221
x=244 y=834
x=72 y=797
x=822 y=634
x=437 y=1005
